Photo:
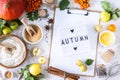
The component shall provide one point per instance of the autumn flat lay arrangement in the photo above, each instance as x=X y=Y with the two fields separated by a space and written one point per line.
x=59 y=40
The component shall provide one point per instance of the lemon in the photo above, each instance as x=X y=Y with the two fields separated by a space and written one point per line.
x=79 y=63
x=105 y=16
x=35 y=69
x=107 y=38
x=83 y=68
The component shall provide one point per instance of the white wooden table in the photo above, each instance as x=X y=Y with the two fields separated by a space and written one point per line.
x=44 y=45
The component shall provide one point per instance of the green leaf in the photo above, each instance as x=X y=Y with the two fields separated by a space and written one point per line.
x=26 y=74
x=1 y=32
x=27 y=66
x=38 y=77
x=33 y=15
x=110 y=9
x=89 y=62
x=63 y=4
x=21 y=71
x=114 y=16
x=30 y=78
x=2 y=23
x=107 y=6
x=118 y=13
x=18 y=21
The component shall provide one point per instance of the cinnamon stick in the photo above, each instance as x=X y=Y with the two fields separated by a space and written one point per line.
x=61 y=73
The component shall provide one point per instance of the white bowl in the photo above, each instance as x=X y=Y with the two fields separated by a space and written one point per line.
x=26 y=40
x=10 y=77
x=112 y=36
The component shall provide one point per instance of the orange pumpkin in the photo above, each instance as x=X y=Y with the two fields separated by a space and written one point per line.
x=11 y=9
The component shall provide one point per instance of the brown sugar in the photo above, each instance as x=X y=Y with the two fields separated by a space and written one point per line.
x=35 y=37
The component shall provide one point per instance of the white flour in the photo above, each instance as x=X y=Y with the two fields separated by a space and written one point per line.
x=17 y=55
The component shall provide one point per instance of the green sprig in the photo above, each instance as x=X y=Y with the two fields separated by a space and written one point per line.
x=64 y=4
x=33 y=15
x=115 y=13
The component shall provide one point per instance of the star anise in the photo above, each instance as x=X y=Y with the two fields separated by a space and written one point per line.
x=50 y=20
x=47 y=27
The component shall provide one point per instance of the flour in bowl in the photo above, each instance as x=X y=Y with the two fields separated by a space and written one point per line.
x=16 y=57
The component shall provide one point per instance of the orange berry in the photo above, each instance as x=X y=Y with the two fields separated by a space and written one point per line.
x=76 y=1
x=111 y=27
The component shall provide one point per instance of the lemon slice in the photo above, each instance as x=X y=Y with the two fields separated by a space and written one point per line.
x=36 y=51
x=42 y=60
x=106 y=38
x=98 y=28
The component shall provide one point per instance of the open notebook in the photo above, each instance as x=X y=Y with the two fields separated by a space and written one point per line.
x=74 y=38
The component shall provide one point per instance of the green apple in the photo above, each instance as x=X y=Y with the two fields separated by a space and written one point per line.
x=6 y=30
x=14 y=25
x=104 y=16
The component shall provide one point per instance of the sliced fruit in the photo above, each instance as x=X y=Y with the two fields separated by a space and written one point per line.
x=14 y=25
x=98 y=28
x=79 y=63
x=36 y=51
x=42 y=60
x=83 y=68
x=111 y=27
x=105 y=16
x=35 y=69
x=6 y=30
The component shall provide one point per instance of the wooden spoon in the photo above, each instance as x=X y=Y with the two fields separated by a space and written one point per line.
x=29 y=28
x=8 y=48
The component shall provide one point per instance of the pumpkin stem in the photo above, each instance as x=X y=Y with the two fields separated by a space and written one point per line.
x=6 y=5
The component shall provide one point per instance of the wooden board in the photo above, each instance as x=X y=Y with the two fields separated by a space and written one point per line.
x=68 y=62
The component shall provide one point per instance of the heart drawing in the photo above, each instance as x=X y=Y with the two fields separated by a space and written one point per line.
x=75 y=48
x=72 y=30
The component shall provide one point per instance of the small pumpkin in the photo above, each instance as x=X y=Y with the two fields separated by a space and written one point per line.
x=11 y=9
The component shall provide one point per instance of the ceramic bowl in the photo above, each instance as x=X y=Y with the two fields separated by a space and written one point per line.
x=26 y=40
x=22 y=43
x=6 y=77
x=106 y=38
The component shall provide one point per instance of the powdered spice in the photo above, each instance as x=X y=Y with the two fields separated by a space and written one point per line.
x=8 y=74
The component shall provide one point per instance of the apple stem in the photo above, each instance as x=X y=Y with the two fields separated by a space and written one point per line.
x=6 y=5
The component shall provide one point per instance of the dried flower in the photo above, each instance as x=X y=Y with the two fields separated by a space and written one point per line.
x=47 y=27
x=50 y=21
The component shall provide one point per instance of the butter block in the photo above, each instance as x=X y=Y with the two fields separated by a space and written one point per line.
x=107 y=56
